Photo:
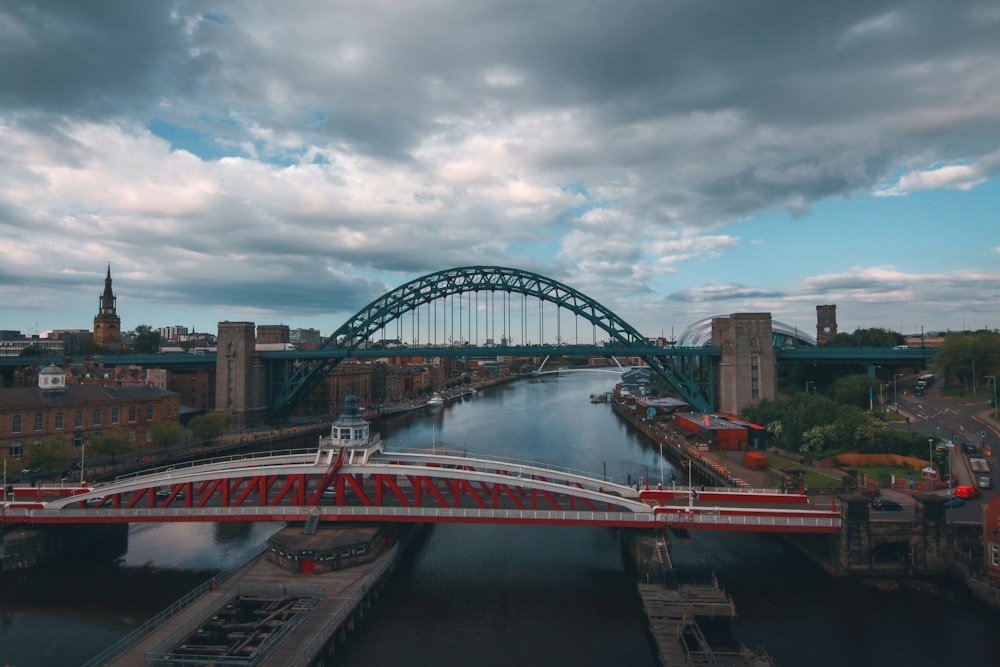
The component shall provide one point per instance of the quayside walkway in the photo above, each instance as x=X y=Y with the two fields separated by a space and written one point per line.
x=325 y=606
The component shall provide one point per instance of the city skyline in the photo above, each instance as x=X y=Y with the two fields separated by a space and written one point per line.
x=673 y=161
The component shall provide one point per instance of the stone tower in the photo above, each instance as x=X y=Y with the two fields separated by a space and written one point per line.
x=826 y=323
x=107 y=324
x=239 y=375
x=747 y=371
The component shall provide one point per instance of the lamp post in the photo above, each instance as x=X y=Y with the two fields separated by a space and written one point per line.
x=690 y=486
x=661 y=464
x=895 y=399
x=83 y=449
x=994 y=378
x=930 y=451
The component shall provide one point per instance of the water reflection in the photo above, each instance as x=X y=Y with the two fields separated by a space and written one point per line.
x=502 y=595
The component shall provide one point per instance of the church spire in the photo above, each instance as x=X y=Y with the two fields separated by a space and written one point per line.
x=108 y=298
x=107 y=324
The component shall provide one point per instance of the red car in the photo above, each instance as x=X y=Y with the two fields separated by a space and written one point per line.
x=967 y=492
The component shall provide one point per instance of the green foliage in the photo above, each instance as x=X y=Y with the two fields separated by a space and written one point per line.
x=145 y=340
x=31 y=351
x=874 y=337
x=959 y=356
x=166 y=433
x=210 y=425
x=112 y=444
x=857 y=390
x=90 y=348
x=818 y=426
x=51 y=453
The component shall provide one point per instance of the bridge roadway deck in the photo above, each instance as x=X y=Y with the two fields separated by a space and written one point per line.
x=341 y=589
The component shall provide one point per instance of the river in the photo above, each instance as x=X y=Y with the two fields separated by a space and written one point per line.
x=514 y=595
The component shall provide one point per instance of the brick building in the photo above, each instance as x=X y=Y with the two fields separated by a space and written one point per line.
x=78 y=413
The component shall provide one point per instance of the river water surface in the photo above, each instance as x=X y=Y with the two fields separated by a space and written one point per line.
x=502 y=595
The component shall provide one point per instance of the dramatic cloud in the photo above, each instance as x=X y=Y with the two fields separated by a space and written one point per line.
x=291 y=161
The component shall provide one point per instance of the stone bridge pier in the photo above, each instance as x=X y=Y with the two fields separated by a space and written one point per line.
x=929 y=545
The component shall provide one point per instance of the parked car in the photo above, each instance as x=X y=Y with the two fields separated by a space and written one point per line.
x=967 y=491
x=885 y=505
x=953 y=501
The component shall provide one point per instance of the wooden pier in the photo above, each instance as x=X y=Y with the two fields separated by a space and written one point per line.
x=690 y=623
x=677 y=617
x=293 y=619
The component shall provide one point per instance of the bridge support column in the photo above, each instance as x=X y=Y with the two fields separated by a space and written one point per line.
x=747 y=371
x=240 y=375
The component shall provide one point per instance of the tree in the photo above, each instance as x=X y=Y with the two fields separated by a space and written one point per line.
x=31 y=351
x=819 y=426
x=50 y=453
x=858 y=390
x=873 y=337
x=968 y=359
x=113 y=444
x=210 y=425
x=145 y=340
x=166 y=433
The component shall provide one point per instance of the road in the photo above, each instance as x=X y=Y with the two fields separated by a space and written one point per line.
x=959 y=420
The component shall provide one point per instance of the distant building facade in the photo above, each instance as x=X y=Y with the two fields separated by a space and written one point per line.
x=174 y=333
x=78 y=413
x=305 y=338
x=10 y=349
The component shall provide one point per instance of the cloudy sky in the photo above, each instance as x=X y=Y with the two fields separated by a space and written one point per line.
x=288 y=162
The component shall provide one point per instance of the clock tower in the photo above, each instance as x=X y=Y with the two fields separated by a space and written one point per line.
x=107 y=324
x=826 y=323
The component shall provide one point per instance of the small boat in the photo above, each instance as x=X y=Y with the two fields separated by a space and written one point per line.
x=435 y=400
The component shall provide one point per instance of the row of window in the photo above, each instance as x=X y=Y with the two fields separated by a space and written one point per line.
x=97 y=418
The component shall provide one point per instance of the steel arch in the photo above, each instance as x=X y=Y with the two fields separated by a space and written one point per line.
x=441 y=284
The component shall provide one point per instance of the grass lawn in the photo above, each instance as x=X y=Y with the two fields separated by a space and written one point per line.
x=878 y=472
x=811 y=477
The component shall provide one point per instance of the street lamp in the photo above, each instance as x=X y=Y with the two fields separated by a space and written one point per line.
x=83 y=449
x=895 y=400
x=994 y=378
x=930 y=450
x=661 y=463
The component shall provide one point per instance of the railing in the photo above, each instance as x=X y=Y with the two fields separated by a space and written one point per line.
x=325 y=633
x=152 y=624
x=159 y=470
x=720 y=519
x=471 y=458
x=302 y=512
x=157 y=657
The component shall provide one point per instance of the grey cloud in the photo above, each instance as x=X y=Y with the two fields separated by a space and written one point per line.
x=722 y=293
x=84 y=58
x=681 y=115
